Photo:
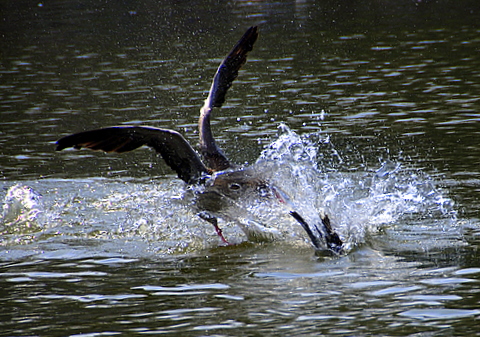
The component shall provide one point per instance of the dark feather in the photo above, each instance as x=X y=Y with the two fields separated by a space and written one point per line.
x=175 y=150
x=227 y=72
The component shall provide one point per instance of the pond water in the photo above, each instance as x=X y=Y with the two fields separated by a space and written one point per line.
x=368 y=111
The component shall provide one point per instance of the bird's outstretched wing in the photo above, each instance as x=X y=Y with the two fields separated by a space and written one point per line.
x=175 y=150
x=226 y=73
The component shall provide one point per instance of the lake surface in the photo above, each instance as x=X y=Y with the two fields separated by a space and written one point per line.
x=369 y=111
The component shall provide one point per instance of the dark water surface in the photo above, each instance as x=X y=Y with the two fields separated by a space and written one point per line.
x=369 y=110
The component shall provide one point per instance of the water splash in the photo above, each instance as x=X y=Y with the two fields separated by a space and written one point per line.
x=22 y=209
x=358 y=203
x=162 y=214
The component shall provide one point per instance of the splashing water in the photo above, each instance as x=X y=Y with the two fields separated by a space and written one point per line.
x=358 y=203
x=22 y=208
x=163 y=214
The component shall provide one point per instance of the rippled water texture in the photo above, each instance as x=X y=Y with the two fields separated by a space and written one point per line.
x=366 y=111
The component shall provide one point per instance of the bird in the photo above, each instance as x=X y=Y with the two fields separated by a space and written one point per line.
x=219 y=176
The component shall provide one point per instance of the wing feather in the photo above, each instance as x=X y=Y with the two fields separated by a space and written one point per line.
x=175 y=150
x=226 y=73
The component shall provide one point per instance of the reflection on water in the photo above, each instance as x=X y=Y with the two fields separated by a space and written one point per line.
x=382 y=100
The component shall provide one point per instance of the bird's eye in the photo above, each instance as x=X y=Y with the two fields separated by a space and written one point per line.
x=235 y=186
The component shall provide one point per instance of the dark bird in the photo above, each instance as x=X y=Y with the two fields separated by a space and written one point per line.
x=221 y=178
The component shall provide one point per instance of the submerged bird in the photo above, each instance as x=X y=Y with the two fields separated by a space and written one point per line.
x=222 y=179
